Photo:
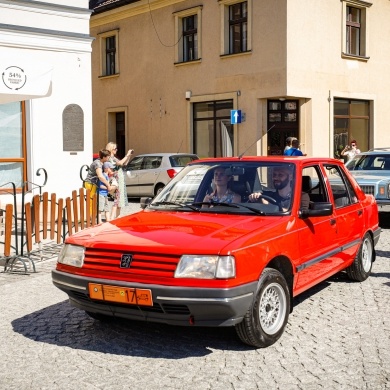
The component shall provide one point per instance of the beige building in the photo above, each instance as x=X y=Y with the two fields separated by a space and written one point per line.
x=166 y=75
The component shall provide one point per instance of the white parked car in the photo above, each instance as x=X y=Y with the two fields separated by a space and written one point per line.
x=147 y=174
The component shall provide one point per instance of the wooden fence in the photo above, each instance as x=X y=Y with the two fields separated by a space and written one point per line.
x=38 y=230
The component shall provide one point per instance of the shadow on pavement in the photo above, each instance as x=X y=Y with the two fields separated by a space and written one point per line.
x=64 y=325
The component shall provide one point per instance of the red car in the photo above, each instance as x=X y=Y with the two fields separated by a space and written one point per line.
x=227 y=242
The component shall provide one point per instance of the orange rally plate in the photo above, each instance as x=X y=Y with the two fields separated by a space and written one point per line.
x=132 y=296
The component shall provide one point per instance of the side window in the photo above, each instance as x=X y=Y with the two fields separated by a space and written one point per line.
x=135 y=164
x=151 y=162
x=313 y=184
x=236 y=34
x=342 y=190
x=355 y=16
x=109 y=64
x=188 y=35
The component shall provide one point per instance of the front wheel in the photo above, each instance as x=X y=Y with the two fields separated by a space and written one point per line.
x=361 y=267
x=265 y=321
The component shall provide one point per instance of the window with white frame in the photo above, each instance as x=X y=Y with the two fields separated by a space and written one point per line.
x=236 y=26
x=188 y=35
x=355 y=17
x=109 y=53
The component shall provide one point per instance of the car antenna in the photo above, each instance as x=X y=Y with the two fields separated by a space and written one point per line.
x=178 y=150
x=240 y=156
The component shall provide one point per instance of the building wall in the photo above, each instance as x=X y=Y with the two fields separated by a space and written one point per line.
x=296 y=53
x=58 y=35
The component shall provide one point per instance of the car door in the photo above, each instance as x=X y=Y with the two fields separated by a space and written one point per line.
x=348 y=211
x=132 y=176
x=318 y=243
x=149 y=173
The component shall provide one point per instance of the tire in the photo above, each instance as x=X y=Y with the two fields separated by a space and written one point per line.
x=265 y=321
x=158 y=189
x=361 y=267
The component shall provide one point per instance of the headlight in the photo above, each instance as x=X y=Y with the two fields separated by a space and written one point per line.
x=72 y=255
x=206 y=267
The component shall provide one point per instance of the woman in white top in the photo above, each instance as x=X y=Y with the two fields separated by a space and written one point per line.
x=120 y=195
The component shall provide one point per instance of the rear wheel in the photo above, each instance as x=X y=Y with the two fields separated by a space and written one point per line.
x=158 y=189
x=361 y=267
x=265 y=321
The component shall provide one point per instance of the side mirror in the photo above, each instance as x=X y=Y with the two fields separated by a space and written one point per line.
x=145 y=202
x=317 y=209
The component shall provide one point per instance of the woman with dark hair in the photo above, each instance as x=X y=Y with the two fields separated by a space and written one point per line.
x=95 y=173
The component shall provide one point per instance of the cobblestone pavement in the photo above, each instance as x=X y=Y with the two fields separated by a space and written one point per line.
x=338 y=337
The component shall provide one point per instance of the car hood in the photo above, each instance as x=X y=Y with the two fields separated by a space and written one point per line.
x=180 y=231
x=369 y=176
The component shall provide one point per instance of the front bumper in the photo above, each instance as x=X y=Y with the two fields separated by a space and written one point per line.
x=171 y=305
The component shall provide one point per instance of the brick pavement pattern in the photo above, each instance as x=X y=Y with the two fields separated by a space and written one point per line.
x=338 y=337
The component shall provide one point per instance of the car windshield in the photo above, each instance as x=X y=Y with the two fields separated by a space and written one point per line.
x=226 y=187
x=369 y=162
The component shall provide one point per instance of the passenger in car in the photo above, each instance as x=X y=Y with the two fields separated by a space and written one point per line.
x=222 y=192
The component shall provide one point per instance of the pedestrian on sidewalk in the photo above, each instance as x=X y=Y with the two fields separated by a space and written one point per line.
x=95 y=173
x=120 y=195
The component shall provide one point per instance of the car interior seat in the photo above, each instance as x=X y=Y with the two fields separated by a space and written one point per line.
x=306 y=184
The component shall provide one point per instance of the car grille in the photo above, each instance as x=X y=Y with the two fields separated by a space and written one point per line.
x=143 y=264
x=370 y=190
x=156 y=308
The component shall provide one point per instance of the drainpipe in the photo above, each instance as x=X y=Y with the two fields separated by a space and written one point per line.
x=331 y=143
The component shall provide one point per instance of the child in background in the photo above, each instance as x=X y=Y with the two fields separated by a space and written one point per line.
x=103 y=193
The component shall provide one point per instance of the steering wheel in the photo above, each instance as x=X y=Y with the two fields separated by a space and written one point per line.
x=267 y=198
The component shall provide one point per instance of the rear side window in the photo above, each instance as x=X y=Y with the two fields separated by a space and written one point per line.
x=181 y=161
x=343 y=192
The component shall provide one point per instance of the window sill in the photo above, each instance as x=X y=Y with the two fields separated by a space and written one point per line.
x=243 y=53
x=354 y=57
x=109 y=76
x=197 y=61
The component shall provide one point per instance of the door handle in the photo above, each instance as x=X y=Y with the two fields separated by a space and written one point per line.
x=360 y=212
x=332 y=222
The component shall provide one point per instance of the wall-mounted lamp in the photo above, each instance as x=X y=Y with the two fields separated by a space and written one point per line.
x=188 y=95
x=282 y=99
x=238 y=93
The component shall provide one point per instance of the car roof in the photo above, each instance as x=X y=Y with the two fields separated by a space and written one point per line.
x=166 y=154
x=273 y=159
x=376 y=151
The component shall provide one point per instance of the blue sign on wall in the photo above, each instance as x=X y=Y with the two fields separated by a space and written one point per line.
x=235 y=116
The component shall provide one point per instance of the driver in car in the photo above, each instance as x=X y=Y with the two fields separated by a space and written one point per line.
x=282 y=177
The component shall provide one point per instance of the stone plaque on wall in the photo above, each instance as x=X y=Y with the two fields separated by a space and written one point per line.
x=73 y=128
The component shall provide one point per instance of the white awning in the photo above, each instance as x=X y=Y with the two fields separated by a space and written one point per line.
x=22 y=78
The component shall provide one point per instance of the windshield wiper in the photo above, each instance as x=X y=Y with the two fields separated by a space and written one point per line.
x=165 y=203
x=257 y=211
x=236 y=206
